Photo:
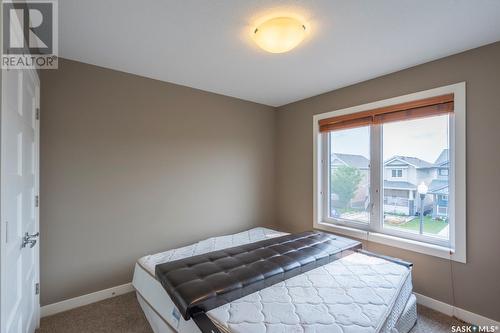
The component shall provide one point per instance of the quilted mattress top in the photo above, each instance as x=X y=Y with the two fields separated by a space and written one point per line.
x=354 y=294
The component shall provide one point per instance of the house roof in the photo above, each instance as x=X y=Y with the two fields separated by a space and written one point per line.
x=442 y=158
x=361 y=162
x=357 y=161
x=416 y=162
x=438 y=186
x=399 y=185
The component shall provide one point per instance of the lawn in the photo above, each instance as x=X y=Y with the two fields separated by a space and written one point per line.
x=430 y=226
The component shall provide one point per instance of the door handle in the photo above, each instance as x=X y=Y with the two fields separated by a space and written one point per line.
x=30 y=240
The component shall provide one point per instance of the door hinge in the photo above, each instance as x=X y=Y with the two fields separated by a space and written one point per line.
x=37 y=288
x=37 y=114
x=37 y=201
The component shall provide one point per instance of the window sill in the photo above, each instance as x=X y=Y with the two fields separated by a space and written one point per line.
x=343 y=230
x=403 y=243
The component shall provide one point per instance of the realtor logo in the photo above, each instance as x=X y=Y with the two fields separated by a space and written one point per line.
x=29 y=34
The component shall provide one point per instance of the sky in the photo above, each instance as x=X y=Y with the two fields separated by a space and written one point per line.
x=423 y=138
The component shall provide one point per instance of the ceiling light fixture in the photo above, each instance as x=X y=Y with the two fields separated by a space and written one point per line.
x=279 y=34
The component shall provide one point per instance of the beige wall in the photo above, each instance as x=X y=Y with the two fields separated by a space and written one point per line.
x=132 y=166
x=476 y=284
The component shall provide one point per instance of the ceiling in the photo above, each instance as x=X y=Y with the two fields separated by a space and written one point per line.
x=207 y=44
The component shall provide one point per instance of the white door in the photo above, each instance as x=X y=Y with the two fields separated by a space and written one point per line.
x=20 y=305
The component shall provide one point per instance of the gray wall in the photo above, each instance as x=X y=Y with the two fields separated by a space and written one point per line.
x=476 y=284
x=132 y=166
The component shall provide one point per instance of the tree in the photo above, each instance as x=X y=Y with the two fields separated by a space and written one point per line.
x=345 y=181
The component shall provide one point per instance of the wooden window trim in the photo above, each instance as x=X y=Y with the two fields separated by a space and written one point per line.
x=427 y=107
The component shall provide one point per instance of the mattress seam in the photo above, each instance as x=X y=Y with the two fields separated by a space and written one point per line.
x=145 y=269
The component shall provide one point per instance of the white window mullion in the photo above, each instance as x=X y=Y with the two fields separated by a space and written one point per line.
x=376 y=177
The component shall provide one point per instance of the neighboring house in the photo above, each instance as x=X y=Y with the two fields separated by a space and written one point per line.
x=402 y=174
x=439 y=186
x=361 y=198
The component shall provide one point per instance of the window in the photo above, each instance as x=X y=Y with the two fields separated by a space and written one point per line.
x=349 y=175
x=397 y=173
x=361 y=155
x=419 y=144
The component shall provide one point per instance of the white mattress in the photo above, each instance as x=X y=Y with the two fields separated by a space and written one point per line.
x=153 y=295
x=357 y=293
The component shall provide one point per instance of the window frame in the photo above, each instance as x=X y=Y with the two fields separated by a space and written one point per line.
x=455 y=248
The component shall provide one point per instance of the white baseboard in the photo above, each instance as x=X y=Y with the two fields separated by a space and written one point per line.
x=450 y=310
x=434 y=304
x=97 y=296
x=76 y=302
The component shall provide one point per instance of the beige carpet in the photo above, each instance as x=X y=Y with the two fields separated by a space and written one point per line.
x=123 y=314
